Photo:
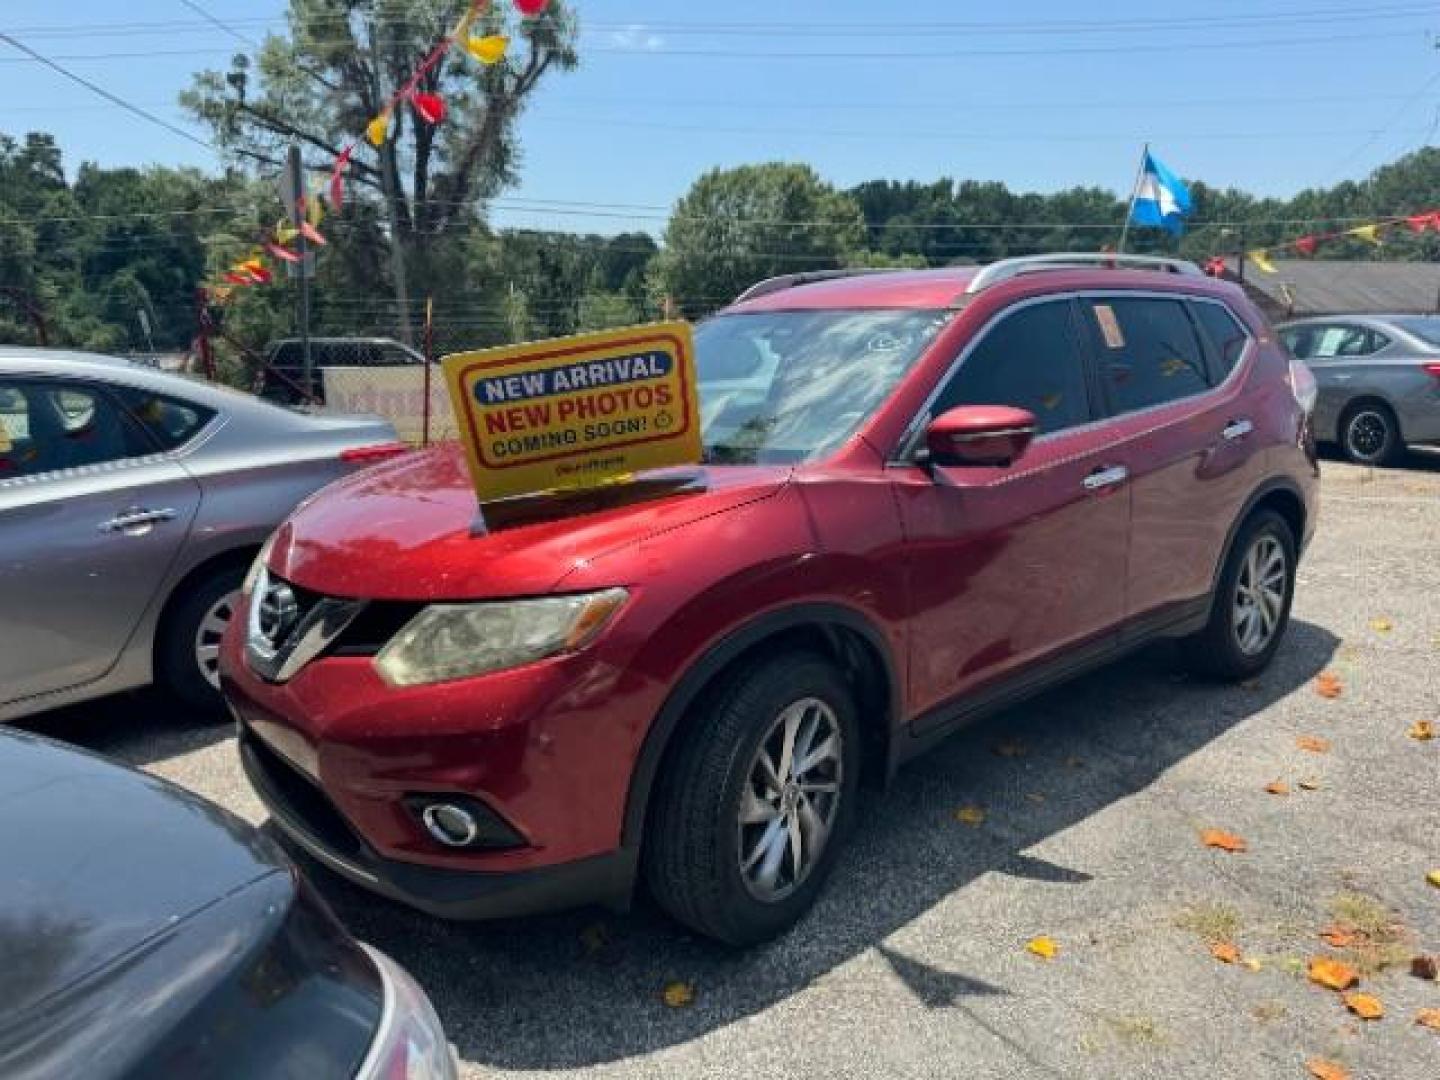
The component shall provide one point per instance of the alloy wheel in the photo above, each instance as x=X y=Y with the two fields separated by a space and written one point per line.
x=208 y=634
x=1366 y=435
x=791 y=796
x=1260 y=594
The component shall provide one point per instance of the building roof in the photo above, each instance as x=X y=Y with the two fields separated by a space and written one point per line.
x=1332 y=287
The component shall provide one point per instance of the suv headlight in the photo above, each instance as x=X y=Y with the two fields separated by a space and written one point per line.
x=456 y=641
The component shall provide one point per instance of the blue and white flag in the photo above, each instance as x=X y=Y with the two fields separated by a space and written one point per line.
x=1162 y=201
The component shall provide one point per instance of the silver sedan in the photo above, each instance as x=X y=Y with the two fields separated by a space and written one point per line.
x=1379 y=380
x=132 y=502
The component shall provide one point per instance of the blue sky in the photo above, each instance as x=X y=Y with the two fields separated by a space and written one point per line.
x=1271 y=97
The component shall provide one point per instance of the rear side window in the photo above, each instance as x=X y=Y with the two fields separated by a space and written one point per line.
x=170 y=421
x=48 y=427
x=1147 y=351
x=1029 y=360
x=1336 y=341
x=1227 y=336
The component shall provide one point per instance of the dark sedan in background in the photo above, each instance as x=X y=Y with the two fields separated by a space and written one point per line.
x=147 y=933
x=1379 y=380
x=131 y=503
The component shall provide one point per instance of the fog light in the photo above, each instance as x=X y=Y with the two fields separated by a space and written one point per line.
x=452 y=825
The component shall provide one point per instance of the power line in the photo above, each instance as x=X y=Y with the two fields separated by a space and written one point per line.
x=114 y=99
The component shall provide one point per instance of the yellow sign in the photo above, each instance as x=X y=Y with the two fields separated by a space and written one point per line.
x=576 y=411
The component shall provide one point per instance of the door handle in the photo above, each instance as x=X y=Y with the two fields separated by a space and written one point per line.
x=1237 y=429
x=136 y=519
x=1106 y=476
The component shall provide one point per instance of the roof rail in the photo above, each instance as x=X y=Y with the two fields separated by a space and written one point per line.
x=1005 y=269
x=805 y=277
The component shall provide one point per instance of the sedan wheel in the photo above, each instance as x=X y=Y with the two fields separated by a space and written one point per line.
x=792 y=793
x=208 y=634
x=1370 y=437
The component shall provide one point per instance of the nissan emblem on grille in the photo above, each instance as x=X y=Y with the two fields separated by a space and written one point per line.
x=278 y=613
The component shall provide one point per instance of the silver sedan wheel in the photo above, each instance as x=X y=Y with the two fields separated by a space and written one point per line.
x=791 y=796
x=207 y=637
x=1367 y=435
x=1260 y=594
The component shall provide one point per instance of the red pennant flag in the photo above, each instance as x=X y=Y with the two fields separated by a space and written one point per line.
x=1306 y=245
x=284 y=254
x=430 y=107
x=312 y=234
x=1420 y=222
x=1215 y=266
x=337 y=177
x=236 y=279
x=1435 y=220
x=531 y=7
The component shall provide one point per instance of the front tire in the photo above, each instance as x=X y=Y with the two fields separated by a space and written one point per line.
x=753 y=805
x=1251 y=606
x=1370 y=434
x=188 y=650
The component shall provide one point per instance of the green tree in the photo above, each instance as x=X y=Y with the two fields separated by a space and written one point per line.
x=737 y=226
x=320 y=84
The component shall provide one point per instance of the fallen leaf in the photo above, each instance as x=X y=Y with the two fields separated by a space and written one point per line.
x=1219 y=838
x=1422 y=731
x=1429 y=1018
x=1381 y=625
x=1278 y=787
x=1365 y=1006
x=1043 y=947
x=1252 y=963
x=677 y=995
x=1338 y=937
x=1327 y=685
x=1309 y=783
x=970 y=815
x=1010 y=748
x=1326 y=1070
x=1332 y=973
x=1425 y=967
x=1434 y=878
x=1314 y=743
x=1225 y=952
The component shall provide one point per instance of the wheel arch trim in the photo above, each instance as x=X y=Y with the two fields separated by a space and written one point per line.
x=820 y=615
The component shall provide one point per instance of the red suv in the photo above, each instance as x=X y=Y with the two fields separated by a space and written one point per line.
x=926 y=495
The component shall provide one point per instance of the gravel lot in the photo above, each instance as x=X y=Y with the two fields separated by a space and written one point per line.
x=914 y=963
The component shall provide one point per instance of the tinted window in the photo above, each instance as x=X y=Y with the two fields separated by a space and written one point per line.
x=287 y=354
x=48 y=426
x=170 y=421
x=1227 y=336
x=1147 y=350
x=1028 y=360
x=787 y=386
x=1339 y=340
x=1299 y=341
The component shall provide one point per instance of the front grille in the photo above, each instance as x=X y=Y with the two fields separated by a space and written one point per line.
x=372 y=629
x=297 y=797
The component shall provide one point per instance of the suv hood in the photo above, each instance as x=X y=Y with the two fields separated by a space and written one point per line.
x=98 y=861
x=411 y=529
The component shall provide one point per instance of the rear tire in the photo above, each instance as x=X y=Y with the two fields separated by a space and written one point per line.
x=725 y=829
x=1251 y=606
x=191 y=630
x=1370 y=434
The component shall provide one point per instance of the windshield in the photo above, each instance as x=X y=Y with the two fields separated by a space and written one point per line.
x=1427 y=330
x=788 y=386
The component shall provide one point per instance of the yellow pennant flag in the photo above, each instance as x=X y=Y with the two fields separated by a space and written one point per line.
x=285 y=233
x=378 y=129
x=489 y=49
x=1368 y=233
x=1261 y=258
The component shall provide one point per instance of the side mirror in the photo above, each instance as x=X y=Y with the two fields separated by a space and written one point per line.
x=980 y=435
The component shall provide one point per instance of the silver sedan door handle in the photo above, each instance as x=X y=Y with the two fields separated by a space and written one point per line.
x=136 y=520
x=1106 y=476
x=1237 y=429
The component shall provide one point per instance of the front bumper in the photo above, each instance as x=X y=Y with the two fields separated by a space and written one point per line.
x=306 y=817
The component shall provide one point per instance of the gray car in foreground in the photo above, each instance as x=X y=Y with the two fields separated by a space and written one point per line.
x=1379 y=379
x=132 y=502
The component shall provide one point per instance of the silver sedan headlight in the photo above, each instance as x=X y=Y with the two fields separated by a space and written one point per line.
x=456 y=641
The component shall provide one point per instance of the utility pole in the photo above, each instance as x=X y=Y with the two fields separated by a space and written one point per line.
x=389 y=178
x=292 y=189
